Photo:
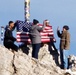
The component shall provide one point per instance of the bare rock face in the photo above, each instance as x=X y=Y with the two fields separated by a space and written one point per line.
x=18 y=63
x=6 y=62
x=72 y=62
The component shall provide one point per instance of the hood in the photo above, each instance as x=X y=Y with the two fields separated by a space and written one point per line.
x=33 y=27
x=7 y=27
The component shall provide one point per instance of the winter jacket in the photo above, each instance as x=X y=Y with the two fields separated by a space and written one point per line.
x=8 y=36
x=64 y=39
x=35 y=34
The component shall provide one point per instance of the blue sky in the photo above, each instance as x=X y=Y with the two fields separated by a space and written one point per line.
x=58 y=12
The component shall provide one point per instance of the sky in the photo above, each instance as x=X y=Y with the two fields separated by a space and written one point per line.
x=58 y=12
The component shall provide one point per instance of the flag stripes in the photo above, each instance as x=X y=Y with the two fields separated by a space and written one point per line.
x=23 y=32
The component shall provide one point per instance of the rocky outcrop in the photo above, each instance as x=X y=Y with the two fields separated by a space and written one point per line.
x=72 y=64
x=18 y=63
x=6 y=62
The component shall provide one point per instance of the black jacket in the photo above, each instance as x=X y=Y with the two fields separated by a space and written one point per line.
x=8 y=36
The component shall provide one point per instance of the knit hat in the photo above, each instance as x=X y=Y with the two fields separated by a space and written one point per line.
x=66 y=27
x=35 y=21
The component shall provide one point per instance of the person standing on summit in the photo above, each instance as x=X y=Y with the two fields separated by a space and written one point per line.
x=64 y=45
x=52 y=47
x=36 y=37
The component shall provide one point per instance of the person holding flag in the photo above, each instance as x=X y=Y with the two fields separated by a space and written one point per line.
x=36 y=37
x=8 y=37
x=52 y=48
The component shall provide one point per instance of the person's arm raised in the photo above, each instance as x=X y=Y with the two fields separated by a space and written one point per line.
x=41 y=28
x=58 y=32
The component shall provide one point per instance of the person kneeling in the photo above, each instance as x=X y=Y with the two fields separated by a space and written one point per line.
x=8 y=37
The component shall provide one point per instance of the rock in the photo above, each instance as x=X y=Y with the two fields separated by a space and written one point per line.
x=72 y=62
x=6 y=62
x=18 y=63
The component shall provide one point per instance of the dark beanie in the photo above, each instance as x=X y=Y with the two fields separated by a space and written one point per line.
x=35 y=21
x=66 y=27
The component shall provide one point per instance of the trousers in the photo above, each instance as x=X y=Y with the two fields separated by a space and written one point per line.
x=35 y=51
x=11 y=45
x=64 y=58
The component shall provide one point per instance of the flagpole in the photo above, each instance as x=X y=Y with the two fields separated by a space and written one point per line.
x=27 y=10
x=2 y=34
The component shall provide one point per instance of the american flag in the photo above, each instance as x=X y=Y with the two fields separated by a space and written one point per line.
x=23 y=32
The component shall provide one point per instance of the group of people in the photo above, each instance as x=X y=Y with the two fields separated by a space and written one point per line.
x=34 y=34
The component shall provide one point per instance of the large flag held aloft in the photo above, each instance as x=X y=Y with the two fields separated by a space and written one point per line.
x=23 y=32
